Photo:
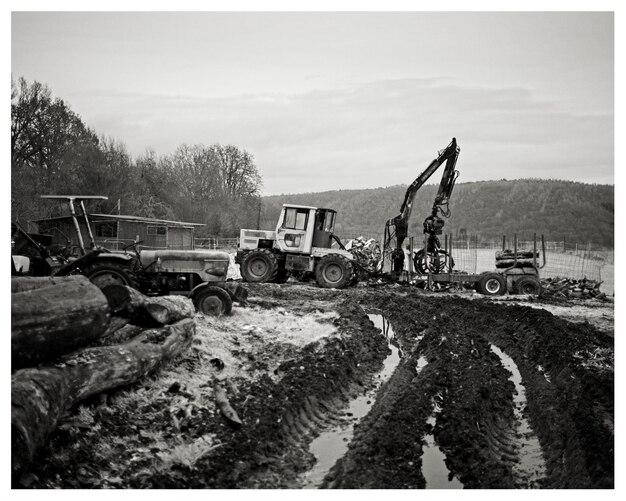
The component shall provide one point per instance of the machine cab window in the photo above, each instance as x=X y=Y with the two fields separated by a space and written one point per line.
x=296 y=219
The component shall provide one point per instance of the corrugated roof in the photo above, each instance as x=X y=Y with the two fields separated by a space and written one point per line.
x=119 y=217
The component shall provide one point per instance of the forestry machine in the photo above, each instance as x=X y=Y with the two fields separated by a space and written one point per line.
x=396 y=229
x=197 y=274
x=301 y=243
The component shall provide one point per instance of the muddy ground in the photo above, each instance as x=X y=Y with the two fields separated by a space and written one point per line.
x=296 y=356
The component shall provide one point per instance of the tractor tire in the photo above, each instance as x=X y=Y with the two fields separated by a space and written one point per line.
x=107 y=272
x=527 y=285
x=213 y=301
x=259 y=265
x=491 y=284
x=282 y=276
x=334 y=271
x=422 y=267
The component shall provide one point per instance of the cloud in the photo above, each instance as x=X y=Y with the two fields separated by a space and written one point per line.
x=375 y=134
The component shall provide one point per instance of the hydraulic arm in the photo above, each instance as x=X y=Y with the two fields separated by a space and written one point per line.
x=396 y=229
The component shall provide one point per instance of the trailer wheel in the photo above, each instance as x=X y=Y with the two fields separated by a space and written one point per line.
x=527 y=285
x=491 y=284
x=106 y=272
x=334 y=271
x=259 y=265
x=213 y=301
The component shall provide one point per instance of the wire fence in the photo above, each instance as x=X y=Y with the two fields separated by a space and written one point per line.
x=215 y=243
x=473 y=255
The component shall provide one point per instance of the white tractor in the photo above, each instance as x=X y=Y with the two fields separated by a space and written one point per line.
x=301 y=243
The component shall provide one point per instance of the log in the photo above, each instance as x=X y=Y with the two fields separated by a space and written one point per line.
x=509 y=254
x=23 y=284
x=224 y=405
x=123 y=300
x=41 y=396
x=49 y=321
x=168 y=309
x=507 y=263
x=147 y=310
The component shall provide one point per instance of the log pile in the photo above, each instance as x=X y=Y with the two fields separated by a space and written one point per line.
x=507 y=258
x=570 y=288
x=366 y=252
x=84 y=345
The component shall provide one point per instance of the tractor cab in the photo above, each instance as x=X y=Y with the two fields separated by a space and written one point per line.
x=300 y=228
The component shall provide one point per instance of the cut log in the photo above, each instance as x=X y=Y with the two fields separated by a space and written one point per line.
x=224 y=405
x=509 y=254
x=168 y=309
x=147 y=310
x=507 y=263
x=123 y=300
x=50 y=321
x=40 y=396
x=23 y=284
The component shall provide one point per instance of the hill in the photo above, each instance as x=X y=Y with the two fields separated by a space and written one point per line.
x=561 y=210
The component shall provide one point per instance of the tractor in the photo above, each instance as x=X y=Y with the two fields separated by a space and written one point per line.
x=198 y=274
x=300 y=244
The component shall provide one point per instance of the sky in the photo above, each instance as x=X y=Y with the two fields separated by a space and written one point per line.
x=340 y=100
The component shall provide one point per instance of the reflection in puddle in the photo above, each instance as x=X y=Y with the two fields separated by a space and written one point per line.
x=434 y=467
x=332 y=444
x=531 y=467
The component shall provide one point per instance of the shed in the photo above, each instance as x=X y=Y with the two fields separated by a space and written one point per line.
x=114 y=231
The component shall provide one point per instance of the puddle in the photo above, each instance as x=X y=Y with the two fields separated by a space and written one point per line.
x=531 y=467
x=421 y=363
x=434 y=467
x=332 y=444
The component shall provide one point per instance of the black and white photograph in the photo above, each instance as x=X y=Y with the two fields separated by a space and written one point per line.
x=298 y=247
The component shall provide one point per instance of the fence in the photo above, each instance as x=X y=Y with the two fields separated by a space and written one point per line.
x=215 y=243
x=565 y=260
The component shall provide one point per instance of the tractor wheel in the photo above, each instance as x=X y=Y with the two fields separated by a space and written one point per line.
x=106 y=272
x=438 y=262
x=491 y=284
x=259 y=265
x=282 y=276
x=334 y=271
x=527 y=285
x=213 y=301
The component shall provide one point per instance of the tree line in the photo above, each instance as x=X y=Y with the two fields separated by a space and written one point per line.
x=561 y=210
x=53 y=152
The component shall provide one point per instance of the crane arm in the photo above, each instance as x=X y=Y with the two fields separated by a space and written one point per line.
x=396 y=229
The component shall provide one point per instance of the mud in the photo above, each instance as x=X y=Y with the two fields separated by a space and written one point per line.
x=451 y=411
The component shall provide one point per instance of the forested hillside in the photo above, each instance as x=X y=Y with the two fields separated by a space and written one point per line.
x=576 y=212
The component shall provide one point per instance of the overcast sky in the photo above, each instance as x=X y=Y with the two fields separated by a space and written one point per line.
x=340 y=100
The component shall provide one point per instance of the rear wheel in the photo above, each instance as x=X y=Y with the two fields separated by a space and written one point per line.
x=334 y=271
x=527 y=285
x=259 y=266
x=491 y=284
x=103 y=273
x=213 y=301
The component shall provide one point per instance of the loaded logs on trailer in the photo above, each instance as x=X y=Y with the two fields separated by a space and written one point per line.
x=52 y=317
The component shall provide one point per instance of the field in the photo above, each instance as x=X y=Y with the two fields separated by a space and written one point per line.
x=369 y=387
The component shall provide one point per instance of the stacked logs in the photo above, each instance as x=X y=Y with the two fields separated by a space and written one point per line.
x=366 y=252
x=70 y=341
x=570 y=288
x=507 y=258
